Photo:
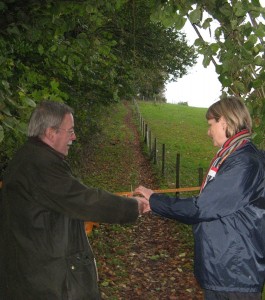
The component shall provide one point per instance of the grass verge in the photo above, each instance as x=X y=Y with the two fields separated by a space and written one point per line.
x=183 y=130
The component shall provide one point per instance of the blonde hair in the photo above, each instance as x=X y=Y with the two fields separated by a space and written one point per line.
x=234 y=111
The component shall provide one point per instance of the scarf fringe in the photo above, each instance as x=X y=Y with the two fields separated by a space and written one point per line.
x=231 y=145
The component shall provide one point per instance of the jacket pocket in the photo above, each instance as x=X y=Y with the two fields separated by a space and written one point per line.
x=82 y=277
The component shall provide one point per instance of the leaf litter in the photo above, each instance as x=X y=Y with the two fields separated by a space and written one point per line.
x=151 y=259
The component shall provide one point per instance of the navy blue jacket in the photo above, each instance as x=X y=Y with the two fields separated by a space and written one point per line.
x=228 y=220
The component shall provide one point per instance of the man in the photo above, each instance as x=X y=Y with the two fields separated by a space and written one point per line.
x=46 y=251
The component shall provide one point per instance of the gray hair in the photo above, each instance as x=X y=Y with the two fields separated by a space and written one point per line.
x=235 y=113
x=47 y=114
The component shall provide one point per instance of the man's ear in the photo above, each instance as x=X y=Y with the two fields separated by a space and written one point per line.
x=49 y=134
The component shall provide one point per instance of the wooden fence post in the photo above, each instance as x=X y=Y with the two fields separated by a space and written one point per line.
x=200 y=171
x=155 y=152
x=146 y=134
x=163 y=159
x=177 y=173
x=150 y=142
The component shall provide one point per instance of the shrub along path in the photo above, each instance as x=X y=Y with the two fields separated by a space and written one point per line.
x=151 y=259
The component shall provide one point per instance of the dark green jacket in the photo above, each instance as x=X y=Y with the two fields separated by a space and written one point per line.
x=46 y=252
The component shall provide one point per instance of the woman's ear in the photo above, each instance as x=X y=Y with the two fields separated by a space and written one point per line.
x=223 y=122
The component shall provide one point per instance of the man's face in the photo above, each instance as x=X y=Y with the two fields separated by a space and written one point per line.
x=64 y=135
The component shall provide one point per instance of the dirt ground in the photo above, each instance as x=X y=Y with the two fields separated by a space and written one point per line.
x=159 y=258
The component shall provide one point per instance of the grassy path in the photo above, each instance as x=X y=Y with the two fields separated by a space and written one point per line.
x=149 y=260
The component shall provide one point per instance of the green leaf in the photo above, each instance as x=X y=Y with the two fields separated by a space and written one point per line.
x=179 y=22
x=6 y=111
x=214 y=48
x=10 y=122
x=5 y=84
x=246 y=29
x=260 y=30
x=206 y=24
x=22 y=128
x=83 y=43
x=13 y=30
x=262 y=76
x=259 y=61
x=53 y=48
x=255 y=50
x=219 y=69
x=225 y=80
x=239 y=9
x=11 y=101
x=250 y=43
x=28 y=101
x=256 y=3
x=54 y=85
x=218 y=32
x=206 y=60
x=240 y=86
x=257 y=83
x=195 y=16
x=234 y=24
x=226 y=10
x=1 y=133
x=199 y=42
x=40 y=49
x=155 y=257
x=2 y=6
x=105 y=283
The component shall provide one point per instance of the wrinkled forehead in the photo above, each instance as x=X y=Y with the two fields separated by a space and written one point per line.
x=68 y=120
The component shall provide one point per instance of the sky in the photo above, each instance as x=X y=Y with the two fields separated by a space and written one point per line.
x=200 y=87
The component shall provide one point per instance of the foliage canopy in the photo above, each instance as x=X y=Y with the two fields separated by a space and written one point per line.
x=238 y=47
x=85 y=53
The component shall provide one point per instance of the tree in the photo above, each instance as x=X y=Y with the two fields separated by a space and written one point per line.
x=150 y=53
x=50 y=50
x=238 y=50
x=84 y=53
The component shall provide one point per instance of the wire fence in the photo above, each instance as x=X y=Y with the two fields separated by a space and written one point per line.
x=162 y=156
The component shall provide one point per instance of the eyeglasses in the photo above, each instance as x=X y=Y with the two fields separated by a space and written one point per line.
x=69 y=131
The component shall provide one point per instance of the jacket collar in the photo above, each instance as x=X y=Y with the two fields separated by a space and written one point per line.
x=39 y=142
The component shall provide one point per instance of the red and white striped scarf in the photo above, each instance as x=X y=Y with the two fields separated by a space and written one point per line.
x=231 y=145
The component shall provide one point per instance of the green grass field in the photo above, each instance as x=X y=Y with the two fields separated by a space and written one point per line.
x=183 y=130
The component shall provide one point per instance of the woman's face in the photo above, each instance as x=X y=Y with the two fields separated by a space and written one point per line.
x=217 y=131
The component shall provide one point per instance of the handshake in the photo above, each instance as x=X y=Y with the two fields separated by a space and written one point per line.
x=142 y=195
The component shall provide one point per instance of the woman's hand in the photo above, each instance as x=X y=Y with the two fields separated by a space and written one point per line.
x=143 y=205
x=143 y=191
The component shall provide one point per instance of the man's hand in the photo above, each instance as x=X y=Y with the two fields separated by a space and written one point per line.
x=143 y=191
x=143 y=205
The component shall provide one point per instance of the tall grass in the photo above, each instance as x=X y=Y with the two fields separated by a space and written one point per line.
x=183 y=130
x=106 y=160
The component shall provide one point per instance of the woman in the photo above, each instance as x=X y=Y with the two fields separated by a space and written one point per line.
x=228 y=216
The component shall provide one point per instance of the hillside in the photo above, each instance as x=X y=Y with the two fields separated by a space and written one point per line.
x=183 y=130
x=152 y=259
